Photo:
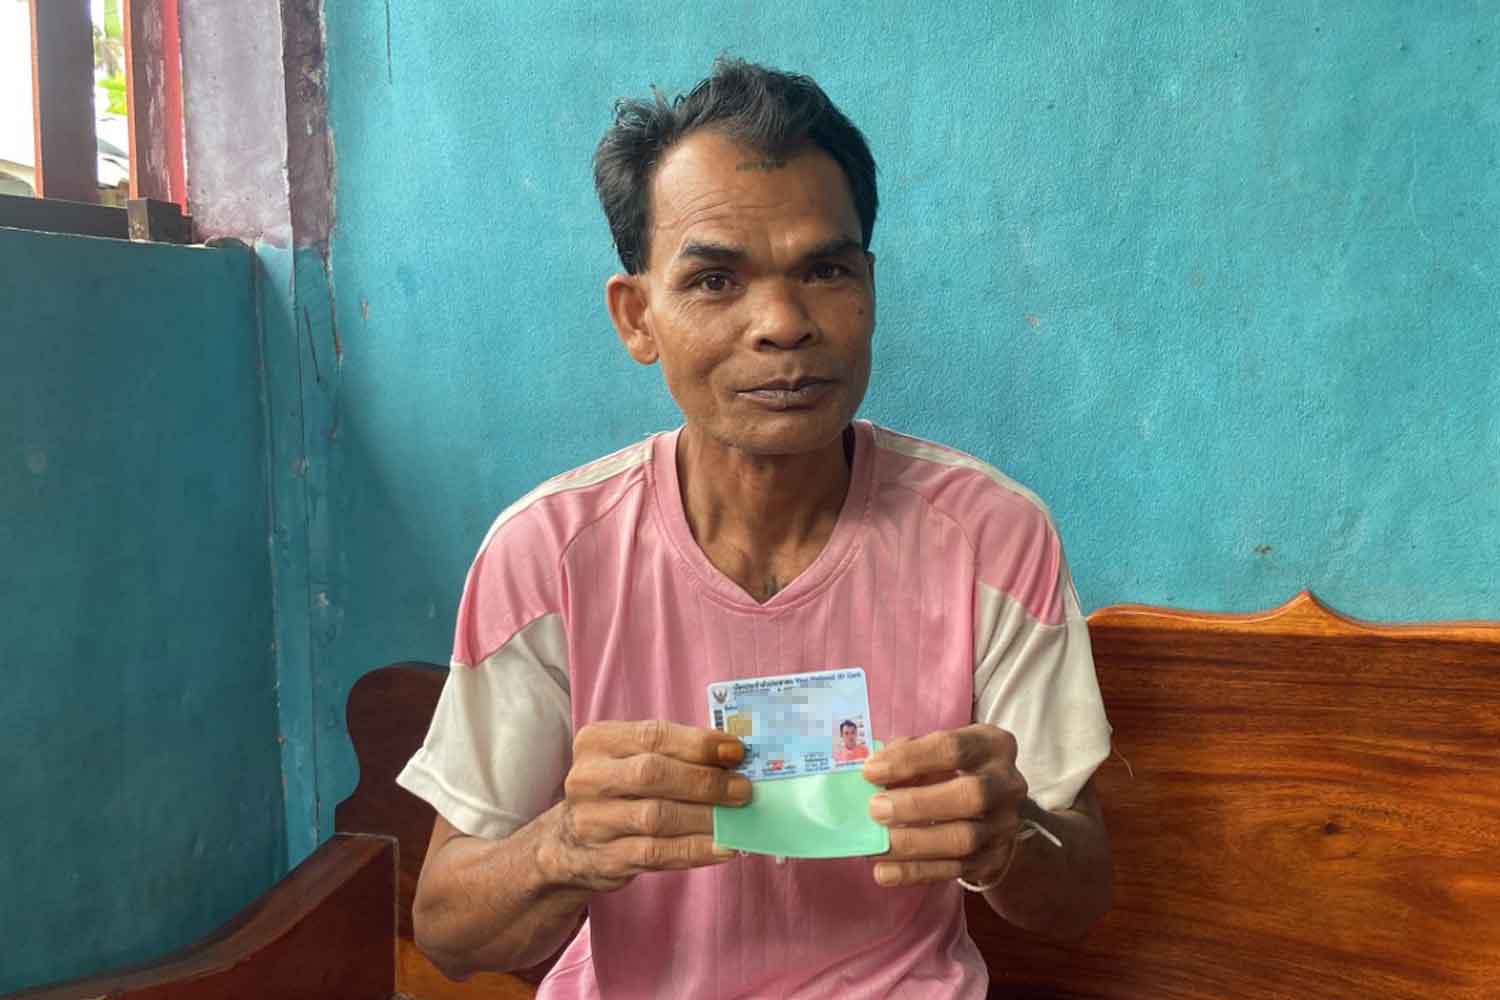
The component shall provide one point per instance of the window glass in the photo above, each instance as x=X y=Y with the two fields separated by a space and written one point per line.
x=111 y=121
x=111 y=124
x=17 y=144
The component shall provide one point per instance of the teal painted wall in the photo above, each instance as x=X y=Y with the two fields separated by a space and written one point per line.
x=1219 y=280
x=303 y=358
x=141 y=777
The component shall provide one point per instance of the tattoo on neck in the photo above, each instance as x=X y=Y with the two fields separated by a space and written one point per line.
x=765 y=166
x=773 y=586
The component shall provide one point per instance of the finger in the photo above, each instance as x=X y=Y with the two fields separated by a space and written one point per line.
x=598 y=821
x=960 y=840
x=670 y=739
x=654 y=776
x=636 y=855
x=965 y=796
x=966 y=749
x=898 y=873
x=921 y=779
x=935 y=778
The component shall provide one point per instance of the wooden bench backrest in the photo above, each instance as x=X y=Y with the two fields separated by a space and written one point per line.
x=1311 y=808
x=1301 y=806
x=388 y=713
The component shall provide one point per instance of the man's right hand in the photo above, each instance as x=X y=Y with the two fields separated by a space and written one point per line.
x=639 y=798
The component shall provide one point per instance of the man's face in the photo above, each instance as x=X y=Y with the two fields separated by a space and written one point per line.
x=757 y=298
x=847 y=732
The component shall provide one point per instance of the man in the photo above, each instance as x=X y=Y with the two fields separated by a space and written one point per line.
x=773 y=533
x=849 y=747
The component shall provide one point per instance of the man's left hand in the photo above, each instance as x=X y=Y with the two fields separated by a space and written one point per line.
x=952 y=801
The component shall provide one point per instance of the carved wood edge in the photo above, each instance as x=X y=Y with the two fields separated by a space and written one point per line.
x=376 y=804
x=260 y=925
x=368 y=785
x=1303 y=615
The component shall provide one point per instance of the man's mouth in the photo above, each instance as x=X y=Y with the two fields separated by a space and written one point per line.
x=789 y=394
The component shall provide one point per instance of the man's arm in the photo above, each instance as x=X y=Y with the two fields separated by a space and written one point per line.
x=1029 y=895
x=489 y=904
x=955 y=804
x=638 y=798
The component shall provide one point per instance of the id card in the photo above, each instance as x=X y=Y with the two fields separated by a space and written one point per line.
x=796 y=724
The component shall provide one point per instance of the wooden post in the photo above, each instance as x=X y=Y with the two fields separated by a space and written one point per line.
x=62 y=78
x=153 y=57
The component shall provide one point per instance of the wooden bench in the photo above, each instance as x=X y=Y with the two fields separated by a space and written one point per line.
x=1301 y=806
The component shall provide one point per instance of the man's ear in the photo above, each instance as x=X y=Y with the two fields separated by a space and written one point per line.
x=626 y=301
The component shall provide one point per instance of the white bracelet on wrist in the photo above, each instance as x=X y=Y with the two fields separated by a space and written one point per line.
x=1029 y=828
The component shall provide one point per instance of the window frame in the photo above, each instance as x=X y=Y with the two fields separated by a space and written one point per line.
x=62 y=61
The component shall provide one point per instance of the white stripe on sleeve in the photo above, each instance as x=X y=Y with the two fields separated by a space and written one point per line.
x=501 y=740
x=1037 y=682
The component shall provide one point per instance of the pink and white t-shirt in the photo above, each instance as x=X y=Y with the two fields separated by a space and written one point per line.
x=589 y=600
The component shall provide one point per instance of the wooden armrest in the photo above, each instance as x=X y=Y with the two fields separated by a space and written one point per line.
x=326 y=930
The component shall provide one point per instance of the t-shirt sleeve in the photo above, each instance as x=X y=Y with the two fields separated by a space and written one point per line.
x=501 y=739
x=500 y=743
x=1034 y=671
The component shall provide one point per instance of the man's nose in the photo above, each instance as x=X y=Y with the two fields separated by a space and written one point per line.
x=781 y=319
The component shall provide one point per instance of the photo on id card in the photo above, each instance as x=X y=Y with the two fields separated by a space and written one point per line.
x=796 y=724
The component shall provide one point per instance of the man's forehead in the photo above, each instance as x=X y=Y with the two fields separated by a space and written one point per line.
x=712 y=189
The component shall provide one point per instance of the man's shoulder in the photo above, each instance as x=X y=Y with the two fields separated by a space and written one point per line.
x=959 y=485
x=555 y=511
x=513 y=578
x=1016 y=548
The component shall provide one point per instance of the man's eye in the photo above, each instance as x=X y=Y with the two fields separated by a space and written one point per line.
x=714 y=281
x=828 y=272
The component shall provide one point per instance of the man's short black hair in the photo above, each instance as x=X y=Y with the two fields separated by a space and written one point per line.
x=849 y=723
x=771 y=112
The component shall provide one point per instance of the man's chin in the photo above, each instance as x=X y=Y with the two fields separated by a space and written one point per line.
x=788 y=433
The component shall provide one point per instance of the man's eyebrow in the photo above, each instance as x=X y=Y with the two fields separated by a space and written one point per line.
x=835 y=247
x=701 y=250
x=727 y=252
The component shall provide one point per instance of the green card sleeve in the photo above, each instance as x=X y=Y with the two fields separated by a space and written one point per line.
x=814 y=816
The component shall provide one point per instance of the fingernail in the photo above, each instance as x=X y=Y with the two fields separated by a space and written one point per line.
x=886 y=874
x=876 y=772
x=720 y=851
x=880 y=808
x=731 y=753
x=739 y=788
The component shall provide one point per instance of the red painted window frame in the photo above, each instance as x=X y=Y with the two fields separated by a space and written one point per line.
x=63 y=125
x=153 y=56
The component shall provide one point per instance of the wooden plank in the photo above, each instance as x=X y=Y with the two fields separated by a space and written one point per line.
x=326 y=930
x=62 y=77
x=54 y=215
x=1308 y=811
x=388 y=712
x=154 y=76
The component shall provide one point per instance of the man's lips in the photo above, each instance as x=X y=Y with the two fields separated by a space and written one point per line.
x=789 y=394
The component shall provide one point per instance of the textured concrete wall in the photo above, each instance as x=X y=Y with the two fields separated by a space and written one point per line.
x=141 y=783
x=235 y=113
x=261 y=172
x=1219 y=280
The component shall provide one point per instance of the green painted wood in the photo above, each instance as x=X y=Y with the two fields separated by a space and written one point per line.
x=142 y=789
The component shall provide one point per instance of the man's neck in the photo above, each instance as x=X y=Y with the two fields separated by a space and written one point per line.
x=761 y=519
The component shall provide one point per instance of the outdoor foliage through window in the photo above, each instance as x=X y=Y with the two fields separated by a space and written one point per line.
x=111 y=122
